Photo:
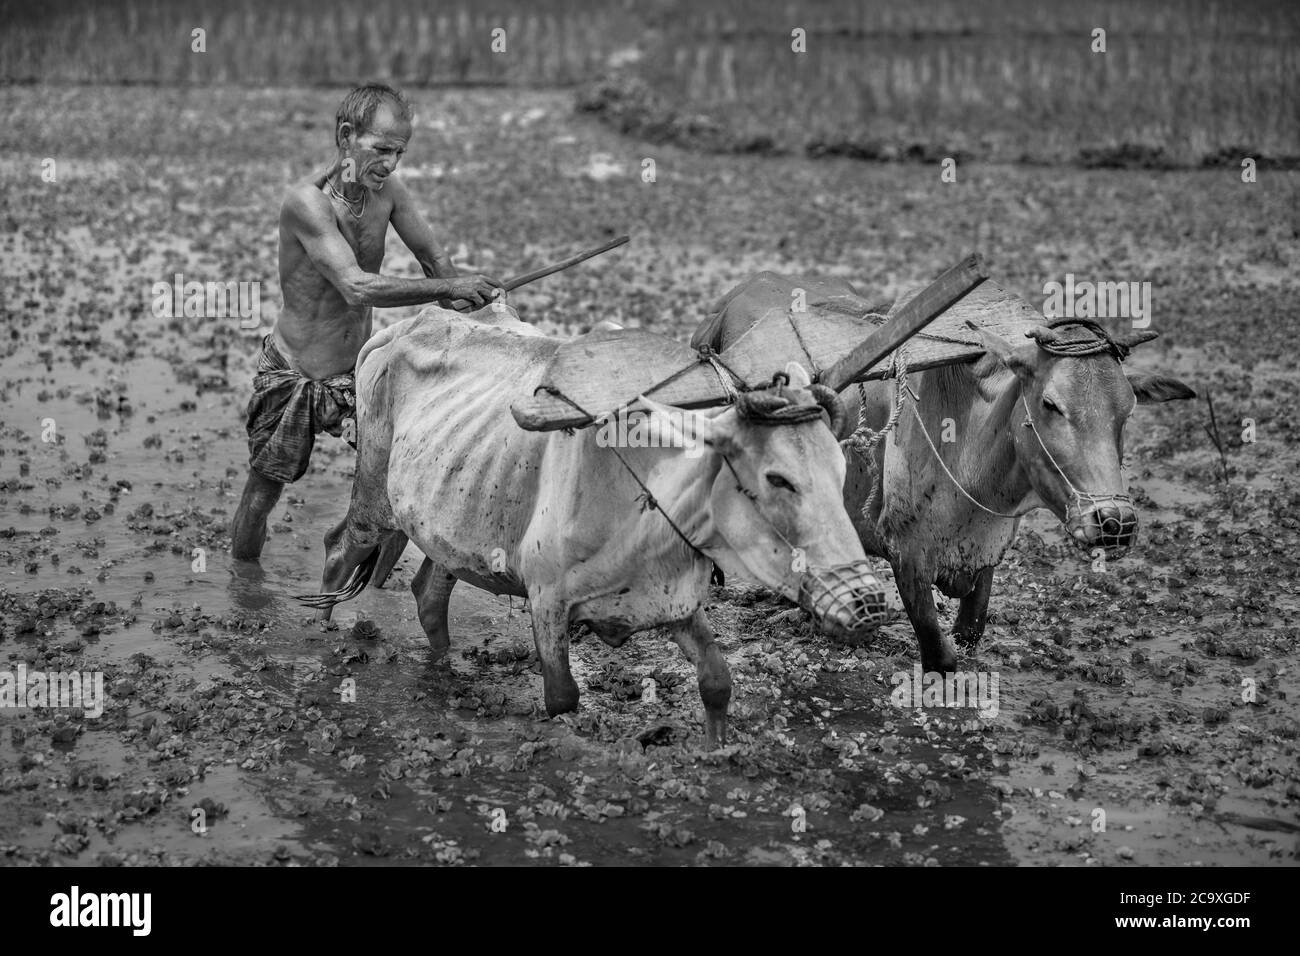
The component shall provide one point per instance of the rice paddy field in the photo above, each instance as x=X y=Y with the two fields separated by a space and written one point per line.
x=126 y=158
x=1158 y=83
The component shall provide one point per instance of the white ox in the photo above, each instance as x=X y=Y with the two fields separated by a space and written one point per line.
x=558 y=519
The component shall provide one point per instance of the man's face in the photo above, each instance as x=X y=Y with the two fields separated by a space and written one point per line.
x=376 y=152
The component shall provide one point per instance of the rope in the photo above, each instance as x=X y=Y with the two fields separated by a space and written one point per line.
x=1099 y=341
x=865 y=438
x=1080 y=497
x=647 y=498
x=753 y=500
x=775 y=407
x=799 y=336
x=951 y=476
x=764 y=408
x=707 y=354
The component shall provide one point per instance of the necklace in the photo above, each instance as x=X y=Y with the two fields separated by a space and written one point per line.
x=344 y=199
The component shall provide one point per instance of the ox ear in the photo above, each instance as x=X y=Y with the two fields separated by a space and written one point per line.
x=797 y=376
x=719 y=434
x=697 y=430
x=1152 y=388
x=1020 y=359
x=672 y=427
x=669 y=426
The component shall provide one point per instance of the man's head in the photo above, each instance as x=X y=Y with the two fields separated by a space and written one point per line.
x=371 y=130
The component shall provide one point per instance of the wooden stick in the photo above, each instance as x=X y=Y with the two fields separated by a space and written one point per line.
x=927 y=305
x=1213 y=431
x=527 y=277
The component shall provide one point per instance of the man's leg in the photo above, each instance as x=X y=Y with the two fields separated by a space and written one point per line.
x=248 y=529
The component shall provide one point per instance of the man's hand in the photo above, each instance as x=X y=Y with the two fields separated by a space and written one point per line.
x=476 y=290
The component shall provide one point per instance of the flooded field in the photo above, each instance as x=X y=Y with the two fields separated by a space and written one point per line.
x=1147 y=708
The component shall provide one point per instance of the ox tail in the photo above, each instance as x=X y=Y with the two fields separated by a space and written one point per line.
x=352 y=587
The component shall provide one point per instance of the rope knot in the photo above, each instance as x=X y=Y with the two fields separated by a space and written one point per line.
x=1078 y=338
x=732 y=384
x=865 y=438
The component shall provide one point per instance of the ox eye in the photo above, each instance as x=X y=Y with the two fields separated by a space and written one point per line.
x=779 y=481
x=1051 y=406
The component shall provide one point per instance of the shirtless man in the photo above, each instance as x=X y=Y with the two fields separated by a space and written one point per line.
x=332 y=232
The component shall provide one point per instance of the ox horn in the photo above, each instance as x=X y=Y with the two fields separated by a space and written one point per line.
x=1043 y=335
x=828 y=400
x=1136 y=337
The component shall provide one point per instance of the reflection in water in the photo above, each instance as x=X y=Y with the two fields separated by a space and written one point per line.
x=247 y=587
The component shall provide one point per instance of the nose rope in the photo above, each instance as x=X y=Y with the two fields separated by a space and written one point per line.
x=842 y=589
x=1080 y=497
x=1029 y=422
x=753 y=500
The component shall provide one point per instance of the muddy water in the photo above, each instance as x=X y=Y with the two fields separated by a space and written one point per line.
x=1121 y=689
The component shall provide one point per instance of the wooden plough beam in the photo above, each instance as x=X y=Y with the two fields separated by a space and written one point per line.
x=603 y=371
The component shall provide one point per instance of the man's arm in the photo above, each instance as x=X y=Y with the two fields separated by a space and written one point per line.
x=418 y=236
x=416 y=233
x=308 y=214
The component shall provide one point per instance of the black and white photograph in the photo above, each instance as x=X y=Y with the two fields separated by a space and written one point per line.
x=651 y=433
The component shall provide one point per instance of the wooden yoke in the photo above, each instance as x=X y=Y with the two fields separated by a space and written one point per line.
x=926 y=306
x=606 y=370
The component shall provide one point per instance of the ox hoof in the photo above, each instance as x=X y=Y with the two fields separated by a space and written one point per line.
x=556 y=707
x=715 y=733
x=562 y=702
x=967 y=639
x=943 y=664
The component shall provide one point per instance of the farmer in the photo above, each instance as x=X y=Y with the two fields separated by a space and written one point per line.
x=332 y=231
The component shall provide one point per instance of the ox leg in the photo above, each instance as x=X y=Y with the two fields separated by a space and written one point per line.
x=974 y=612
x=551 y=635
x=937 y=651
x=345 y=549
x=432 y=589
x=391 y=546
x=695 y=638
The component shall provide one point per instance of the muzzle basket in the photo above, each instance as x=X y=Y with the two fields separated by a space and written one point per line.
x=1115 y=516
x=846 y=600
